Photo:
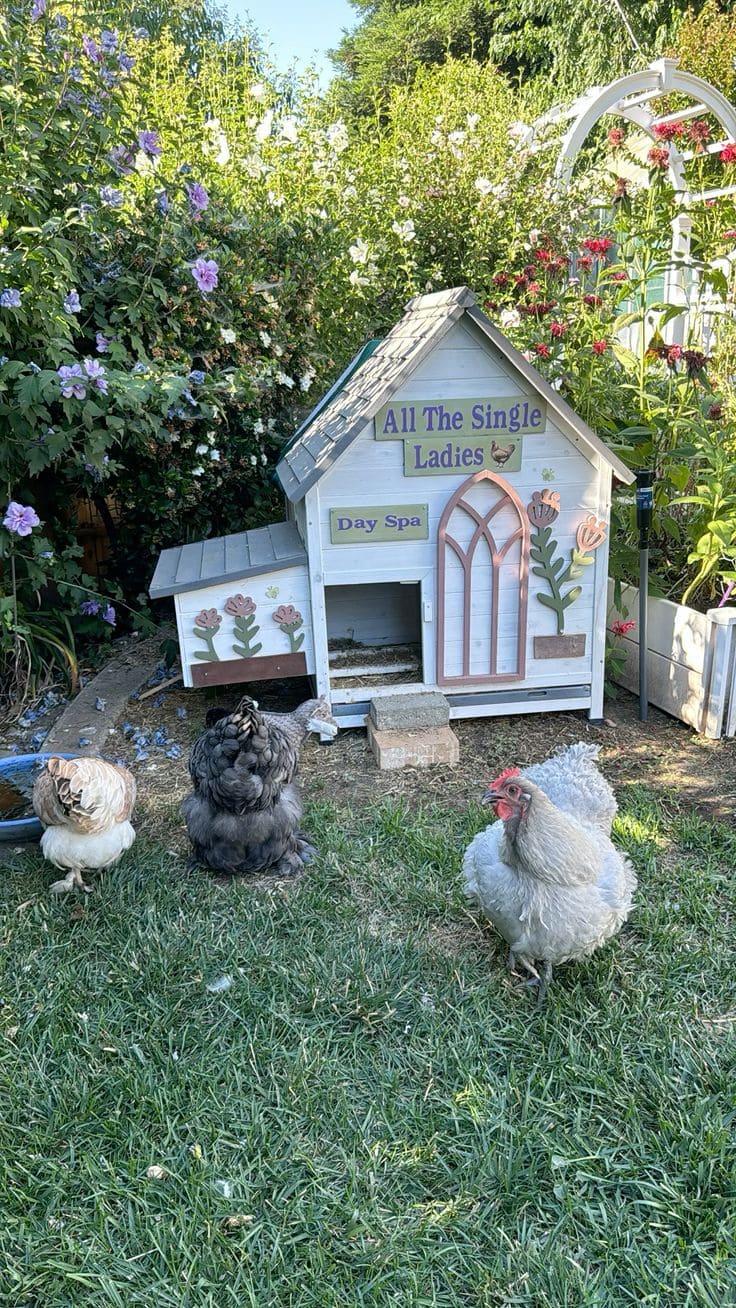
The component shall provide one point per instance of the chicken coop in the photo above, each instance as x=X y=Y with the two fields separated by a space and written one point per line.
x=446 y=529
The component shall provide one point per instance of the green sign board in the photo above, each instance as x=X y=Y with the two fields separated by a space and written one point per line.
x=439 y=456
x=499 y=416
x=381 y=522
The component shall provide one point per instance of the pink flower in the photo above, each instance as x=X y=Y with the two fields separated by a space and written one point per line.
x=729 y=235
x=620 y=628
x=204 y=272
x=728 y=154
x=599 y=347
x=240 y=606
x=699 y=132
x=20 y=519
x=592 y=301
x=543 y=350
x=667 y=131
x=558 y=329
x=287 y=616
x=590 y=534
x=544 y=508
x=597 y=245
x=616 y=137
x=208 y=618
x=658 y=157
x=715 y=411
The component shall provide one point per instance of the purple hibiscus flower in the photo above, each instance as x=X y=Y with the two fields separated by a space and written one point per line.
x=102 y=342
x=109 y=615
x=10 y=299
x=90 y=608
x=108 y=41
x=204 y=272
x=197 y=376
x=73 y=381
x=122 y=159
x=72 y=302
x=20 y=518
x=125 y=62
x=111 y=197
x=148 y=143
x=92 y=50
x=198 y=198
x=96 y=373
x=38 y=9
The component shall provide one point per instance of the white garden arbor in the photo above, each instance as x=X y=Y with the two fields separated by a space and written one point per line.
x=631 y=98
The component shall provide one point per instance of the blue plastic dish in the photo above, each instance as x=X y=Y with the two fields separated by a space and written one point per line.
x=18 y=829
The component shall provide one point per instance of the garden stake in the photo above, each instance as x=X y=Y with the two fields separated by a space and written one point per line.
x=644 y=499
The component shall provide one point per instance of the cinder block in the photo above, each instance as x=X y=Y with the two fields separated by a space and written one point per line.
x=413 y=749
x=426 y=708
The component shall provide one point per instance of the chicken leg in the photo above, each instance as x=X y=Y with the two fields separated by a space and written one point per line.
x=72 y=881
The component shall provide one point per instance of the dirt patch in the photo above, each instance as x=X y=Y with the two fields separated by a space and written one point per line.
x=662 y=754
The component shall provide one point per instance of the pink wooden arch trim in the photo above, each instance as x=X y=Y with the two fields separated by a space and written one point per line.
x=465 y=558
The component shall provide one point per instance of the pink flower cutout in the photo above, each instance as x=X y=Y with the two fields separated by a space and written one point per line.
x=208 y=619
x=240 y=606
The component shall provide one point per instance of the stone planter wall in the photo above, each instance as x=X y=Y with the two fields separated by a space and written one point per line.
x=691 y=661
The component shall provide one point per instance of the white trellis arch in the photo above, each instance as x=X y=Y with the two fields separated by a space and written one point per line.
x=630 y=98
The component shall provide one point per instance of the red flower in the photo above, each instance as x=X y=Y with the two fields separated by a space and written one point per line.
x=619 y=276
x=490 y=306
x=730 y=235
x=593 y=301
x=543 y=256
x=699 y=132
x=585 y=262
x=543 y=350
x=520 y=280
x=597 y=245
x=534 y=288
x=667 y=131
x=616 y=137
x=695 y=361
x=558 y=329
x=620 y=628
x=728 y=154
x=658 y=157
x=715 y=411
x=501 y=279
x=672 y=354
x=599 y=347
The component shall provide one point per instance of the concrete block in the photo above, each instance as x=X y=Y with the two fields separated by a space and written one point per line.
x=426 y=708
x=413 y=749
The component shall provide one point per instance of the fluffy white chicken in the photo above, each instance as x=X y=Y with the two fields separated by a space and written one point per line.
x=86 y=805
x=547 y=875
x=572 y=781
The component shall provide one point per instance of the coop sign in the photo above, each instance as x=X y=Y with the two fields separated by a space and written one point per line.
x=501 y=416
x=383 y=522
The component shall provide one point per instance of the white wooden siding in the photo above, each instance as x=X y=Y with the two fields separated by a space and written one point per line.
x=293 y=588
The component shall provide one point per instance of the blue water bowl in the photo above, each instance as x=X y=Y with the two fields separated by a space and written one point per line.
x=27 y=828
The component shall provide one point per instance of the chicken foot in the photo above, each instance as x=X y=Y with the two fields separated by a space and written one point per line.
x=72 y=881
x=540 y=979
x=305 y=849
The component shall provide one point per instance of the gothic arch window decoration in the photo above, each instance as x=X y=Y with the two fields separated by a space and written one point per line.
x=482 y=537
x=631 y=98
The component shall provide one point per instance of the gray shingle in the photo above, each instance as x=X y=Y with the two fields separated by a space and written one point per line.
x=226 y=558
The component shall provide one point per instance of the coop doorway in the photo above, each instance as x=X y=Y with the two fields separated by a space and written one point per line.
x=482 y=584
x=374 y=634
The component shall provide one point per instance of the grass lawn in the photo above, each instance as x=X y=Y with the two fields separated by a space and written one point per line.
x=372 y=1113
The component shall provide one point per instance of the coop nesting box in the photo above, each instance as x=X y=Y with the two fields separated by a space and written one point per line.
x=447 y=529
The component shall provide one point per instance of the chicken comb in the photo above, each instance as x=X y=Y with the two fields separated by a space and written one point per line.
x=504 y=776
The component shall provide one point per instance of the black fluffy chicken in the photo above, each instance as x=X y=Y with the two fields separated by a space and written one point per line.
x=245 y=812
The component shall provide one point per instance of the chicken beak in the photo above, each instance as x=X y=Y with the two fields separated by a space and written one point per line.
x=490 y=796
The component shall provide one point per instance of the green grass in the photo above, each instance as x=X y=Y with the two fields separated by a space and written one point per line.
x=392 y=1120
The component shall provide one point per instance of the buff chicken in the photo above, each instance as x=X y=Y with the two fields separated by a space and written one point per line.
x=85 y=805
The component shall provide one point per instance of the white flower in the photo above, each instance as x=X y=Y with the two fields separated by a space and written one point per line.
x=307 y=377
x=284 y=379
x=253 y=460
x=356 y=279
x=359 y=251
x=264 y=460
x=405 y=231
x=336 y=136
x=215 y=456
x=263 y=130
x=198 y=471
x=472 y=120
x=216 y=146
x=258 y=427
x=278 y=350
x=258 y=91
x=349 y=193
x=510 y=318
x=276 y=201
x=255 y=166
x=289 y=130
x=436 y=138
x=456 y=138
x=403 y=201
x=201 y=449
x=265 y=339
x=484 y=185
x=521 y=132
x=228 y=335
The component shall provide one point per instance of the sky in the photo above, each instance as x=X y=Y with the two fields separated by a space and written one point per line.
x=298 y=29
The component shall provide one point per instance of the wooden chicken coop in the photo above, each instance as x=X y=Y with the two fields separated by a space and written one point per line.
x=446 y=528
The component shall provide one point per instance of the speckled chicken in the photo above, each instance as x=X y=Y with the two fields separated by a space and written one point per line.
x=85 y=805
x=551 y=881
x=245 y=812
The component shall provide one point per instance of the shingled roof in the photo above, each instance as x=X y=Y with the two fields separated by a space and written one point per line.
x=369 y=383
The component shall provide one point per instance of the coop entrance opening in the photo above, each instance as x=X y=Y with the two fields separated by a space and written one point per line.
x=374 y=633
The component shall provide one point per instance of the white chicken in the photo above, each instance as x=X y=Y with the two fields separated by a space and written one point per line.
x=548 y=875
x=85 y=805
